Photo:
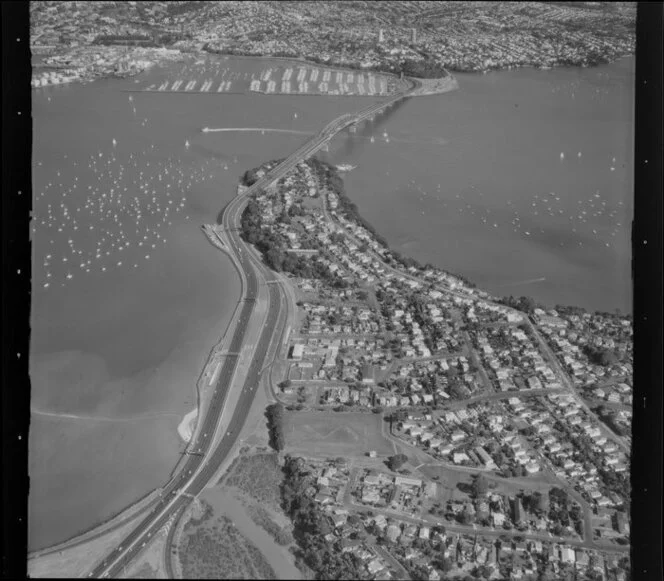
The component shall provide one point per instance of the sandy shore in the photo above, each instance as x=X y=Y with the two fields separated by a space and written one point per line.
x=187 y=426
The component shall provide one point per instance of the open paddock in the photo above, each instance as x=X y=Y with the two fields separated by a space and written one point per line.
x=448 y=480
x=334 y=434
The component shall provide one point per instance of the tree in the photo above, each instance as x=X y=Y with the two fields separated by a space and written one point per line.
x=446 y=564
x=480 y=486
x=600 y=355
x=397 y=461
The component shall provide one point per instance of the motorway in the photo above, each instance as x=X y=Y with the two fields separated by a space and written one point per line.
x=204 y=459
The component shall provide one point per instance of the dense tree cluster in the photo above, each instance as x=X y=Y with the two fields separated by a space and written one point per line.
x=310 y=525
x=274 y=252
x=600 y=355
x=422 y=69
x=275 y=424
x=525 y=304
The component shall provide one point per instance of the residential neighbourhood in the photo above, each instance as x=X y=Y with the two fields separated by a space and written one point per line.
x=462 y=381
x=379 y=518
x=424 y=39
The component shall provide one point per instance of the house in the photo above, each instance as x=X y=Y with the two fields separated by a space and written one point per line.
x=459 y=457
x=458 y=435
x=517 y=510
x=297 y=351
x=374 y=566
x=621 y=523
x=380 y=521
x=403 y=481
x=368 y=375
x=582 y=559
x=393 y=532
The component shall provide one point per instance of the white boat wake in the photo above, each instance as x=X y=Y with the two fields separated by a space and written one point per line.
x=529 y=281
x=255 y=130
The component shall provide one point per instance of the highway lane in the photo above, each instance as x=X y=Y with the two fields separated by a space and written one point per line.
x=210 y=420
x=190 y=481
x=158 y=516
x=228 y=440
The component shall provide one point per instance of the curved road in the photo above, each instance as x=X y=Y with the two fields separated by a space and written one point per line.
x=201 y=467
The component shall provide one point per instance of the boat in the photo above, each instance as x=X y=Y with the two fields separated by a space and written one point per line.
x=346 y=167
x=205 y=129
x=186 y=144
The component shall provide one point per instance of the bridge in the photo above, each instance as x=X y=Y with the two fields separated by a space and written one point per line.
x=210 y=453
x=322 y=138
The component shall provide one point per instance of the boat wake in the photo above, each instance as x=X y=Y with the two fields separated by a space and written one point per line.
x=255 y=130
x=529 y=281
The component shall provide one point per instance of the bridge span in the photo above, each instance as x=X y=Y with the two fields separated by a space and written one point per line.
x=211 y=452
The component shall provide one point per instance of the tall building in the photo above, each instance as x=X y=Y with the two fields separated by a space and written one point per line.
x=413 y=35
x=381 y=35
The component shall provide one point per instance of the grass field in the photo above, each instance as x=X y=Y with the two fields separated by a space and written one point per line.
x=334 y=434
x=144 y=572
x=217 y=550
x=448 y=481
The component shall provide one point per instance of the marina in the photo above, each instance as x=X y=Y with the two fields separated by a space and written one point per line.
x=213 y=75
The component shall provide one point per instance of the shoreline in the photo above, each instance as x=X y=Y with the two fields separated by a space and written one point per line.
x=302 y=95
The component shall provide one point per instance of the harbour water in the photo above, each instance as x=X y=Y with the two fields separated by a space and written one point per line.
x=520 y=180
x=125 y=324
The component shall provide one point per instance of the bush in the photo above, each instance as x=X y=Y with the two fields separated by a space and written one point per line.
x=275 y=419
x=397 y=461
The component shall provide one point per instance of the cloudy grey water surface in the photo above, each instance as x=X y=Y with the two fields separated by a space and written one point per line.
x=520 y=180
x=128 y=295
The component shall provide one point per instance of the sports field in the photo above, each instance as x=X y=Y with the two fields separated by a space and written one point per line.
x=335 y=434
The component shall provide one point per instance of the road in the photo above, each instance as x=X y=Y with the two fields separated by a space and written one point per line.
x=206 y=459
